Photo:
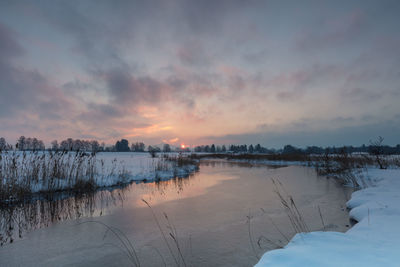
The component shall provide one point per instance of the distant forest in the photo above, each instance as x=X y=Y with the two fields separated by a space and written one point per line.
x=289 y=149
x=33 y=144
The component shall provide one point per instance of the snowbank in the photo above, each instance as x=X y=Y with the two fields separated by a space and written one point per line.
x=373 y=241
x=139 y=167
x=107 y=169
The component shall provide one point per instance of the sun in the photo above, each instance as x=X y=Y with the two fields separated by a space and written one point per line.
x=182 y=146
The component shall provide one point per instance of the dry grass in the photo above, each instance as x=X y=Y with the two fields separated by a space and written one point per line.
x=125 y=245
x=22 y=175
x=293 y=213
x=343 y=166
x=328 y=163
x=26 y=174
x=176 y=254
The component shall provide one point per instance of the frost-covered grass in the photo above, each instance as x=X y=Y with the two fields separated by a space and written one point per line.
x=372 y=241
x=23 y=174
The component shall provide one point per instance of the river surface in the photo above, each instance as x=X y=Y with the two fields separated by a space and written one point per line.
x=226 y=214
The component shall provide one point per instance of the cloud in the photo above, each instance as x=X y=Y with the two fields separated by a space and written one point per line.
x=333 y=32
x=361 y=94
x=125 y=88
x=9 y=47
x=25 y=90
x=192 y=53
x=346 y=134
x=133 y=68
x=171 y=141
x=257 y=57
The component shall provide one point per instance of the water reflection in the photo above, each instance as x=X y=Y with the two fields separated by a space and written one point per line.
x=15 y=220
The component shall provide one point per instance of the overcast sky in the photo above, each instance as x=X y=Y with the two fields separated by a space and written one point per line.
x=199 y=72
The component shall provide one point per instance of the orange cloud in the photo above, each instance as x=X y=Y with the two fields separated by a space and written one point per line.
x=170 y=141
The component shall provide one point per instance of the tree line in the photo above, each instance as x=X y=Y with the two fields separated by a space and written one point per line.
x=31 y=143
x=233 y=148
x=290 y=149
x=123 y=146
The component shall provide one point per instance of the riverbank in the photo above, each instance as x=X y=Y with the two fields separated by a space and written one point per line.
x=372 y=241
x=27 y=175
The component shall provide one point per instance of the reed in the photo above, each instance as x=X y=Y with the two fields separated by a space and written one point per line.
x=24 y=174
x=177 y=255
x=296 y=219
x=126 y=246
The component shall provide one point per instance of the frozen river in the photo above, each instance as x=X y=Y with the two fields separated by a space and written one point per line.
x=210 y=211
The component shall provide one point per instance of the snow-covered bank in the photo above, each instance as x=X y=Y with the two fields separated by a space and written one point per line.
x=373 y=241
x=26 y=173
x=140 y=167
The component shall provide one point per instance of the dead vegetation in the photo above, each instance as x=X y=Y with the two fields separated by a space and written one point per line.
x=24 y=174
x=342 y=165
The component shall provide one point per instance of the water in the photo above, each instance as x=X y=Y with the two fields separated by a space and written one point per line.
x=209 y=210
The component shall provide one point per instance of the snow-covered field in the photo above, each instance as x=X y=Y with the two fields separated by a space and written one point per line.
x=373 y=241
x=141 y=166
x=42 y=171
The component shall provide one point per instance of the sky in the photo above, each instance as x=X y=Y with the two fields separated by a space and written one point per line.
x=201 y=72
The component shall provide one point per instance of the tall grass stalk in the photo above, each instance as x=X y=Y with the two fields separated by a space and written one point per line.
x=162 y=233
x=127 y=246
x=322 y=219
x=294 y=215
x=248 y=222
x=275 y=226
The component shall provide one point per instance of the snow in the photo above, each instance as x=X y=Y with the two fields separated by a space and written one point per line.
x=116 y=168
x=373 y=241
x=141 y=166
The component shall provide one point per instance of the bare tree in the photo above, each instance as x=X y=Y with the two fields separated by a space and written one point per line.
x=94 y=145
x=3 y=144
x=54 y=145
x=166 y=148
x=35 y=144
x=376 y=149
x=28 y=143
x=21 y=143
x=41 y=145
x=70 y=144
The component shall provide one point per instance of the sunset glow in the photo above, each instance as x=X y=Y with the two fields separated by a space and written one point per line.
x=200 y=71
